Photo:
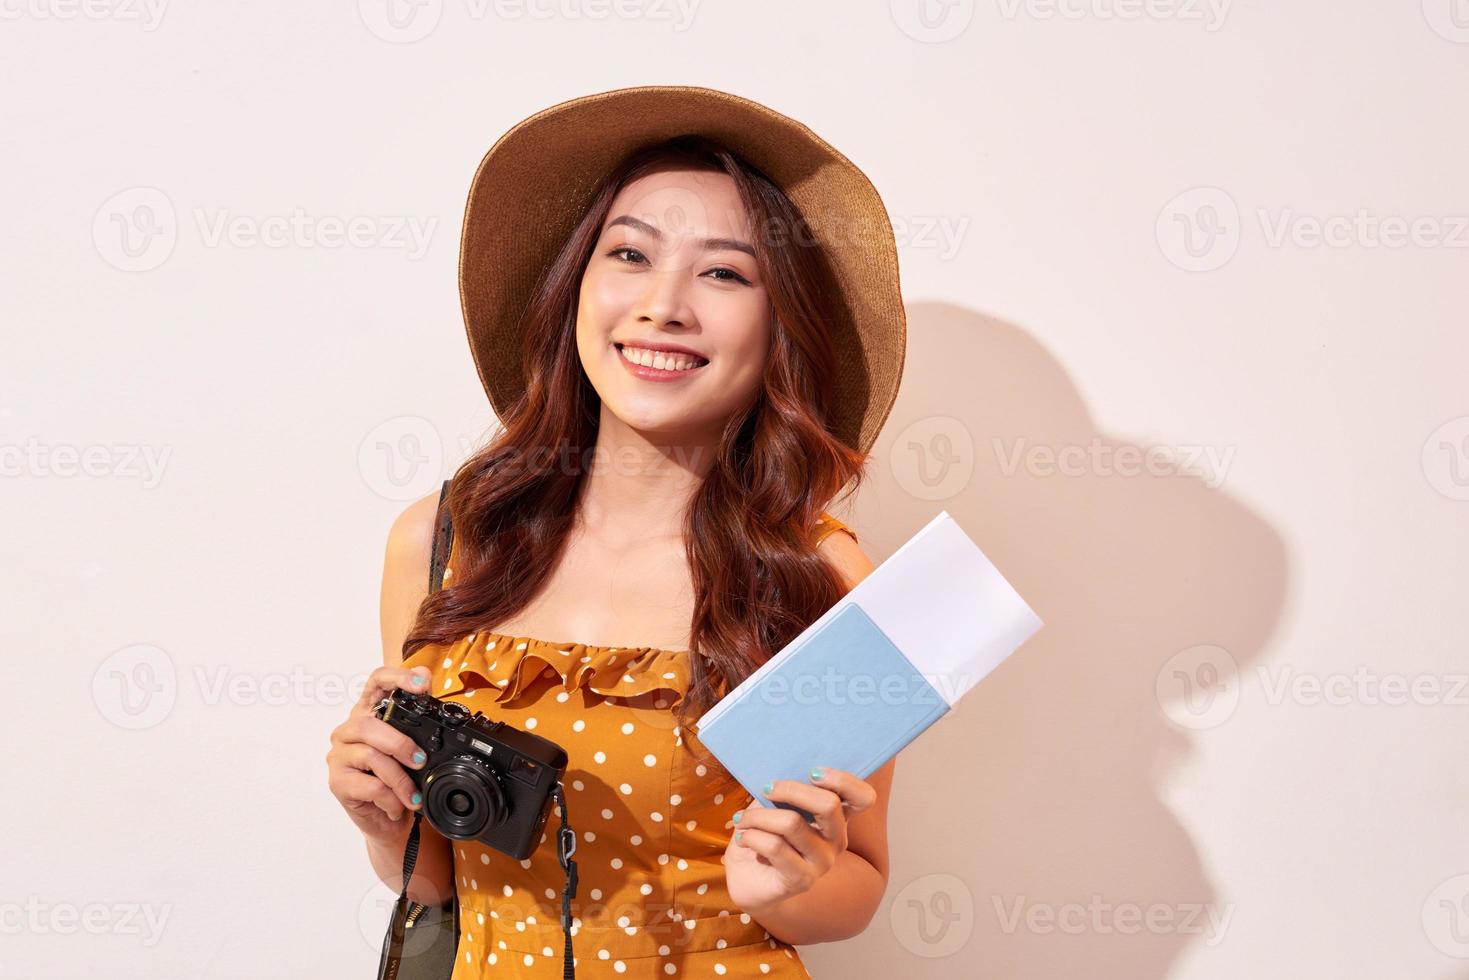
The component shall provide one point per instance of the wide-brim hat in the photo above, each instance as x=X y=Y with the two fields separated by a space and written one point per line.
x=535 y=183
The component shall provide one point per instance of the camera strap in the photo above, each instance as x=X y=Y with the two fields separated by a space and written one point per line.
x=565 y=837
x=398 y=927
x=565 y=848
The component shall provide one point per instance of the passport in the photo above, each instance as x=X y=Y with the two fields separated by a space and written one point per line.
x=887 y=660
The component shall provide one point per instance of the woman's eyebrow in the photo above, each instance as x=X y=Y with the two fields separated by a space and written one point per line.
x=709 y=244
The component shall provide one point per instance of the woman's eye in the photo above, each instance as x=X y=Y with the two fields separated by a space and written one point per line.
x=736 y=275
x=730 y=275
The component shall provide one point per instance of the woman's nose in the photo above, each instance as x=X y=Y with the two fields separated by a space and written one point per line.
x=665 y=297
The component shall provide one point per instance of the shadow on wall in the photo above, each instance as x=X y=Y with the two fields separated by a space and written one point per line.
x=1029 y=839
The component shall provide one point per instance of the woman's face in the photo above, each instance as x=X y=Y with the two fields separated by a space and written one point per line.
x=672 y=270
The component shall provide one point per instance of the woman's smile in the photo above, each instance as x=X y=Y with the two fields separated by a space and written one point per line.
x=657 y=365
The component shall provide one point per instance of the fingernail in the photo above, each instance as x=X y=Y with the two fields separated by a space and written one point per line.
x=738 y=834
x=417 y=798
x=738 y=814
x=418 y=680
x=768 y=788
x=418 y=757
x=815 y=774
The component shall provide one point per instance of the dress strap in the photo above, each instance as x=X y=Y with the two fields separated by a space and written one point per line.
x=829 y=524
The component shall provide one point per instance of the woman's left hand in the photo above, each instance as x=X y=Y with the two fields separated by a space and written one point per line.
x=775 y=854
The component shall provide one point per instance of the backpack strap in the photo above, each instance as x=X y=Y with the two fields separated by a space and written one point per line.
x=443 y=539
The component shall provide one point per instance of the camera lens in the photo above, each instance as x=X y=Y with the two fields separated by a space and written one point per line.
x=463 y=799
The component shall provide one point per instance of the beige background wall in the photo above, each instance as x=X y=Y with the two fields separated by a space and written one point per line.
x=1187 y=300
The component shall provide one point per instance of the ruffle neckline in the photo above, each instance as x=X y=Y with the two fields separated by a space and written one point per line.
x=500 y=667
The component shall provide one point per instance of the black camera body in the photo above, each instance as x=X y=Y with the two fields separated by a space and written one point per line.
x=484 y=780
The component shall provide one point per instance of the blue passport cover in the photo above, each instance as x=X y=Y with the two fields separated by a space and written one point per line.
x=845 y=698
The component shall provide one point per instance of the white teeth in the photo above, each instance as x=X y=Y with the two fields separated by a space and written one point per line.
x=659 y=359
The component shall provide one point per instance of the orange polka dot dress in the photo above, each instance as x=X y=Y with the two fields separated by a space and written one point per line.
x=651 y=821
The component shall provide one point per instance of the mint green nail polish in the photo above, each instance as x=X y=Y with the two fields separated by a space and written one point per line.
x=418 y=680
x=738 y=814
x=417 y=798
x=738 y=833
x=419 y=757
x=815 y=773
x=768 y=788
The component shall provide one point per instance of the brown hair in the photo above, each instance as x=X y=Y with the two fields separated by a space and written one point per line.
x=757 y=576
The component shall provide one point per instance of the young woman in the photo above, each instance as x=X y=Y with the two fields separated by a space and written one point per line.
x=689 y=368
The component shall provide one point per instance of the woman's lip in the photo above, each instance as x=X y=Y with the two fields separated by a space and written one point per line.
x=660 y=347
x=652 y=373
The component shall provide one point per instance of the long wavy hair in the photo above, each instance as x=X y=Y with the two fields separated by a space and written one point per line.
x=758 y=579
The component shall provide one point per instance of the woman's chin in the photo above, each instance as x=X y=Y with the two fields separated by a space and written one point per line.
x=655 y=426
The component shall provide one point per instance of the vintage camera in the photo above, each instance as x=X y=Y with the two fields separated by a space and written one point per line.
x=484 y=780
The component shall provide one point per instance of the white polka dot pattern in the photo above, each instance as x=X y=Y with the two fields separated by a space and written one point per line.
x=652 y=811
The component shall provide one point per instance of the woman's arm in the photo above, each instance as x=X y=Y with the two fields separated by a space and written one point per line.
x=842 y=902
x=404 y=587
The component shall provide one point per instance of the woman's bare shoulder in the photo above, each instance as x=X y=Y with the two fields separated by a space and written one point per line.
x=841 y=548
x=405 y=572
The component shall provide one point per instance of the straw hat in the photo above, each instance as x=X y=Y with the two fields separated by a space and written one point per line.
x=536 y=182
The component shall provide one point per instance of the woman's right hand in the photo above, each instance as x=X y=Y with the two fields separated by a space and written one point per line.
x=367 y=766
